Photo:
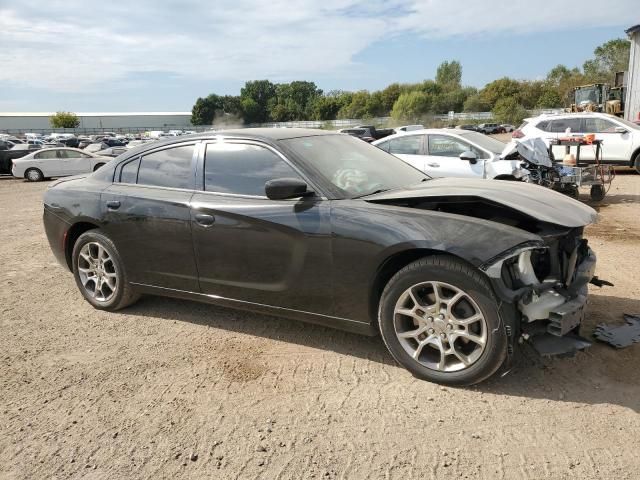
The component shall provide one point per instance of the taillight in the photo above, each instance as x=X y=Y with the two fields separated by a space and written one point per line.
x=517 y=134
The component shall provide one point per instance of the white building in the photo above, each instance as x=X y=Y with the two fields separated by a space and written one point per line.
x=27 y=122
x=632 y=101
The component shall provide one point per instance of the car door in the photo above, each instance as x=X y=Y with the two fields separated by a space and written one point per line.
x=616 y=145
x=49 y=163
x=251 y=248
x=147 y=215
x=444 y=160
x=74 y=162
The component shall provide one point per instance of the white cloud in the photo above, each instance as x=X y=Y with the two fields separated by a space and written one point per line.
x=77 y=45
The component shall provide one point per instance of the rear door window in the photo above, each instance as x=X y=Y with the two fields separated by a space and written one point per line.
x=560 y=125
x=46 y=155
x=171 y=167
x=406 y=145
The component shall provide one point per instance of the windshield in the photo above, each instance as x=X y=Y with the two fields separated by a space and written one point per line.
x=627 y=123
x=482 y=141
x=588 y=95
x=353 y=166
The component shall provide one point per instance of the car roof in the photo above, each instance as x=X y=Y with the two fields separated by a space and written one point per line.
x=551 y=116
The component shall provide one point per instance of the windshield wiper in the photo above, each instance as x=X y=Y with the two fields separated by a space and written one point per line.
x=373 y=193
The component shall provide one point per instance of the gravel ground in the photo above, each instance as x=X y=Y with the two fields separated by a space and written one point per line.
x=173 y=389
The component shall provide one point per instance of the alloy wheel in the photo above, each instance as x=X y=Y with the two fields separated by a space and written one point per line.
x=97 y=272
x=440 y=326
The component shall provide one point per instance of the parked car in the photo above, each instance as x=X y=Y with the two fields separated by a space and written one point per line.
x=56 y=162
x=112 y=151
x=620 y=137
x=321 y=227
x=408 y=128
x=490 y=128
x=472 y=128
x=507 y=127
x=452 y=153
x=9 y=153
x=360 y=133
x=376 y=133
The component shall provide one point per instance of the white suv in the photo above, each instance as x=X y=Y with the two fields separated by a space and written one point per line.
x=620 y=138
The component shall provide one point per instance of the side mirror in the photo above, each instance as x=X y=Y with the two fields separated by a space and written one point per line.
x=469 y=156
x=284 y=188
x=620 y=130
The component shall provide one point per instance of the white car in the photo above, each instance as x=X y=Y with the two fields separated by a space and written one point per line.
x=452 y=153
x=56 y=162
x=620 y=138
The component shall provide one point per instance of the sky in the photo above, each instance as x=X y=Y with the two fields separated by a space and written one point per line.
x=160 y=55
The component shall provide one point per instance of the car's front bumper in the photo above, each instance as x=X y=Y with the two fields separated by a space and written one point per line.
x=547 y=308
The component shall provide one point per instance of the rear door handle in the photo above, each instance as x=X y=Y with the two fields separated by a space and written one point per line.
x=204 y=220
x=113 y=204
x=433 y=164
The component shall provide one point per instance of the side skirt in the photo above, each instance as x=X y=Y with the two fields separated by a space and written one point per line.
x=353 y=326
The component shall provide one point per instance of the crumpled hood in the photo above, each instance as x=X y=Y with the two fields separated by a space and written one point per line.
x=535 y=201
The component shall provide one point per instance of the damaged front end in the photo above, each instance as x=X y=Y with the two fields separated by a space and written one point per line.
x=547 y=282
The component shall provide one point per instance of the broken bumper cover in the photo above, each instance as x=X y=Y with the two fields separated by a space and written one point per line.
x=550 y=307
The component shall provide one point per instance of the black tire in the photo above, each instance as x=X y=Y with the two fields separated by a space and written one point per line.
x=597 y=193
x=124 y=294
x=452 y=271
x=33 y=175
x=636 y=163
x=98 y=165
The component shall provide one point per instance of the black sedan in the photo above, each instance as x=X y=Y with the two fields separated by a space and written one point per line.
x=325 y=228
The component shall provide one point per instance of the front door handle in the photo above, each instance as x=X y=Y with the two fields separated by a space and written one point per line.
x=204 y=220
x=433 y=164
x=113 y=204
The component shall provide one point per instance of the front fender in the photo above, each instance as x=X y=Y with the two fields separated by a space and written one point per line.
x=365 y=235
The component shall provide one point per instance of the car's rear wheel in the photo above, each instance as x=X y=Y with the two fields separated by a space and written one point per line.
x=636 y=163
x=34 y=175
x=99 y=272
x=439 y=319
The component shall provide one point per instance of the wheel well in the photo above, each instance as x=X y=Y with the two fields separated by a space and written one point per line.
x=635 y=155
x=98 y=166
x=389 y=268
x=505 y=177
x=72 y=236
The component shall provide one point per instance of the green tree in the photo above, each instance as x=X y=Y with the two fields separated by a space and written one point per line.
x=357 y=108
x=64 y=120
x=256 y=98
x=389 y=96
x=549 y=99
x=610 y=57
x=499 y=89
x=508 y=110
x=411 y=106
x=474 y=103
x=204 y=110
x=449 y=74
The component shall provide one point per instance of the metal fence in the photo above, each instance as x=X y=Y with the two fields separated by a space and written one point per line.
x=331 y=124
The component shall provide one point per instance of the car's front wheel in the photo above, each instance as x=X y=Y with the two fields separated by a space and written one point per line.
x=99 y=272
x=439 y=319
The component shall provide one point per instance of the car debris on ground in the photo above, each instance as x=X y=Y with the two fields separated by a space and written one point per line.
x=620 y=336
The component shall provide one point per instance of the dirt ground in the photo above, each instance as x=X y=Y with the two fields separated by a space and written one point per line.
x=174 y=389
